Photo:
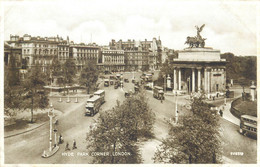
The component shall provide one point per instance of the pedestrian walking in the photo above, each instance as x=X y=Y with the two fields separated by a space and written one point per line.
x=67 y=147
x=56 y=122
x=74 y=145
x=221 y=112
x=60 y=139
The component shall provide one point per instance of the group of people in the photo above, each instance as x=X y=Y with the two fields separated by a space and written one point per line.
x=74 y=146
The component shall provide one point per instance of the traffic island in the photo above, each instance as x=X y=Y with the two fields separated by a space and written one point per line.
x=48 y=153
x=243 y=107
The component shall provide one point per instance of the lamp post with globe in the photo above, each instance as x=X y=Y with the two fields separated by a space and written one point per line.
x=51 y=115
x=52 y=150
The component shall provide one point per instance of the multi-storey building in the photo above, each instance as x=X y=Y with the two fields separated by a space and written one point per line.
x=63 y=49
x=136 y=60
x=13 y=59
x=12 y=53
x=121 y=55
x=36 y=50
x=150 y=52
x=83 y=54
x=42 y=51
x=113 y=60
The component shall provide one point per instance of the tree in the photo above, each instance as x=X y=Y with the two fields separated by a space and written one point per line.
x=167 y=69
x=69 y=71
x=55 y=70
x=56 y=67
x=12 y=92
x=35 y=96
x=240 y=67
x=250 y=68
x=12 y=89
x=136 y=113
x=12 y=72
x=89 y=75
x=117 y=130
x=109 y=136
x=145 y=68
x=196 y=138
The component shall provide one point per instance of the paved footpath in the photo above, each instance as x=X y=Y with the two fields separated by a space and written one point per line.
x=229 y=116
x=34 y=126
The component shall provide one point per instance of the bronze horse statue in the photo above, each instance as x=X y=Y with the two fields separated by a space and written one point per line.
x=194 y=41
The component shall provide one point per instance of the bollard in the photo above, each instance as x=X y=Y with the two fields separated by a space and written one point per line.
x=60 y=100
x=68 y=100
x=76 y=101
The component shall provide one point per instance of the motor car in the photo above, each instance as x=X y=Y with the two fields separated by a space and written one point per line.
x=115 y=86
x=111 y=82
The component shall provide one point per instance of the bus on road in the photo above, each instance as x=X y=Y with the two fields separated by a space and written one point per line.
x=93 y=105
x=101 y=94
x=149 y=78
x=106 y=82
x=248 y=125
x=158 y=92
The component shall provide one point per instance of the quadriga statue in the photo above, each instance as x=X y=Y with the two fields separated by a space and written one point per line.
x=192 y=41
x=196 y=41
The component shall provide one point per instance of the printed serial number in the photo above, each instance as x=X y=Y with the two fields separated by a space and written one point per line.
x=237 y=153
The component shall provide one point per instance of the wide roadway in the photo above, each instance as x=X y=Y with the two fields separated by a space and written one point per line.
x=27 y=148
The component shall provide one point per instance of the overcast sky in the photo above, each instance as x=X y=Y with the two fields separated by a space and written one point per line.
x=230 y=27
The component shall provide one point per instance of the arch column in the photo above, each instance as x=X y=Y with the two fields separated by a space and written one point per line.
x=174 y=79
x=193 y=79
x=205 y=80
x=208 y=78
x=199 y=79
x=179 y=79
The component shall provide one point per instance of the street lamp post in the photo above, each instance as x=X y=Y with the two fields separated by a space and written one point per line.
x=51 y=84
x=55 y=136
x=188 y=79
x=165 y=82
x=50 y=115
x=176 y=112
x=133 y=72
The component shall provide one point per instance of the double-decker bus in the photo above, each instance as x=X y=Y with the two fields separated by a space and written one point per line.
x=106 y=82
x=158 y=92
x=118 y=76
x=93 y=105
x=248 y=125
x=101 y=94
x=149 y=78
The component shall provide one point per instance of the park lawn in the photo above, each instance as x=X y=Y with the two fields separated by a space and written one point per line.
x=246 y=107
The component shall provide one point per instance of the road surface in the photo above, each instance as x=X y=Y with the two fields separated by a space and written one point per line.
x=27 y=148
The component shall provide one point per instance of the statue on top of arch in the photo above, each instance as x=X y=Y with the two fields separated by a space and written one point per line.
x=196 y=41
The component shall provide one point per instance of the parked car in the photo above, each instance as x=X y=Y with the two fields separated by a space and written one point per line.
x=115 y=86
x=136 y=89
x=111 y=82
x=137 y=83
x=127 y=94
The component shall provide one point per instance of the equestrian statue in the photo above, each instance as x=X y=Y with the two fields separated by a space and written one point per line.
x=196 y=41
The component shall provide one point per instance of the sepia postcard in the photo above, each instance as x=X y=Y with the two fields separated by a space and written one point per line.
x=130 y=82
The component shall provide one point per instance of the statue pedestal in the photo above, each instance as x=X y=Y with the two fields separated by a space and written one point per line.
x=199 y=54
